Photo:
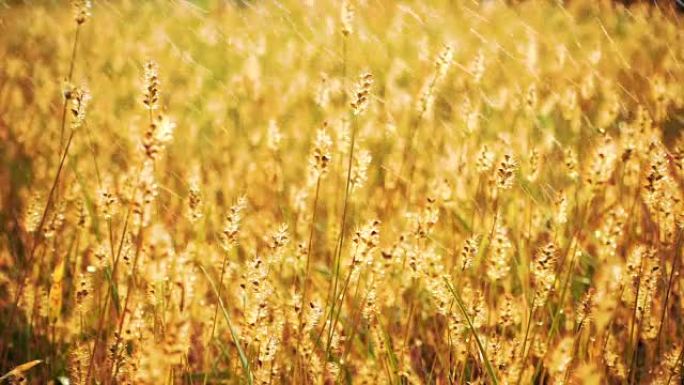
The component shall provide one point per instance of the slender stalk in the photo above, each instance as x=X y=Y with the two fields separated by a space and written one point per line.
x=340 y=163
x=310 y=246
x=674 y=369
x=340 y=240
x=635 y=321
x=675 y=259
x=115 y=258
x=129 y=291
x=305 y=289
x=36 y=243
x=221 y=276
x=48 y=203
x=131 y=279
x=410 y=139
x=461 y=379
x=524 y=352
x=108 y=296
x=216 y=308
x=69 y=78
x=233 y=333
x=355 y=318
x=461 y=306
x=339 y=308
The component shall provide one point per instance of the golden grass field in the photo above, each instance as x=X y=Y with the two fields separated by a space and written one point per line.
x=324 y=192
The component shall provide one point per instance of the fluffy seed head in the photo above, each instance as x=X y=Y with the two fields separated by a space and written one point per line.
x=231 y=224
x=444 y=61
x=79 y=103
x=347 y=17
x=151 y=85
x=81 y=9
x=362 y=94
x=321 y=154
x=505 y=172
x=469 y=251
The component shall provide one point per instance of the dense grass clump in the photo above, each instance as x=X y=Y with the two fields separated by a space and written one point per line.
x=353 y=192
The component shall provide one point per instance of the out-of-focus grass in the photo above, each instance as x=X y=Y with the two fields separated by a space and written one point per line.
x=514 y=210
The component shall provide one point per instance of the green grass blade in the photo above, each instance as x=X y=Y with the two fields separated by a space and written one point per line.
x=233 y=334
x=488 y=365
x=114 y=291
